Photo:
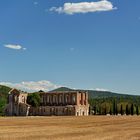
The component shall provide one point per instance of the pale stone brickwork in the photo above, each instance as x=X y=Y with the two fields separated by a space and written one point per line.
x=68 y=103
x=17 y=102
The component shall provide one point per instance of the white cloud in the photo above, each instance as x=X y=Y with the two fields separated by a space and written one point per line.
x=84 y=7
x=31 y=86
x=35 y=3
x=101 y=89
x=72 y=49
x=15 y=47
x=24 y=49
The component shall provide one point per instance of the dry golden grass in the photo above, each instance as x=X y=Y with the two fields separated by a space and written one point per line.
x=70 y=128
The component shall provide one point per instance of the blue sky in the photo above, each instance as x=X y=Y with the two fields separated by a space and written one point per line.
x=90 y=50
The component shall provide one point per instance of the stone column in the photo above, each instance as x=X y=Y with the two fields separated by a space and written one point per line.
x=86 y=98
x=70 y=97
x=51 y=99
x=48 y=99
x=69 y=100
x=27 y=112
x=60 y=99
x=45 y=99
x=81 y=98
x=84 y=94
x=77 y=98
x=63 y=96
x=57 y=99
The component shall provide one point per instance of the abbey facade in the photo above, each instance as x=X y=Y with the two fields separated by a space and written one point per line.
x=67 y=103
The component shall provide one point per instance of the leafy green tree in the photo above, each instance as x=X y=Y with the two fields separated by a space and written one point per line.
x=34 y=99
x=2 y=105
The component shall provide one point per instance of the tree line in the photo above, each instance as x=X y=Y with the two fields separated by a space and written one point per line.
x=115 y=106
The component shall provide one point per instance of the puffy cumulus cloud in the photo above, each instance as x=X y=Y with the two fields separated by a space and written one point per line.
x=84 y=7
x=31 y=86
x=15 y=47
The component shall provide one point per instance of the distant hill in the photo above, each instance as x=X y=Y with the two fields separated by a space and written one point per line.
x=92 y=93
x=62 y=89
x=97 y=94
x=106 y=94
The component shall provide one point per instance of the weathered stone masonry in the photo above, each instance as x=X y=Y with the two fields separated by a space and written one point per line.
x=68 y=103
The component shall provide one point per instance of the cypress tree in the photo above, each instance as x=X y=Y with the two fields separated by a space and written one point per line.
x=121 y=110
x=137 y=110
x=114 y=107
x=110 y=112
x=132 y=109
x=127 y=113
x=100 y=110
x=105 y=110
x=95 y=110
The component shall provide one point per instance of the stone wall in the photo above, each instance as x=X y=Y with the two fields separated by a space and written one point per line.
x=52 y=111
x=52 y=103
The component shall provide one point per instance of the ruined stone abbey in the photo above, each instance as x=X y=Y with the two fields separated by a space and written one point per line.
x=67 y=103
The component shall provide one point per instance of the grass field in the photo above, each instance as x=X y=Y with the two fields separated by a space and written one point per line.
x=70 y=128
